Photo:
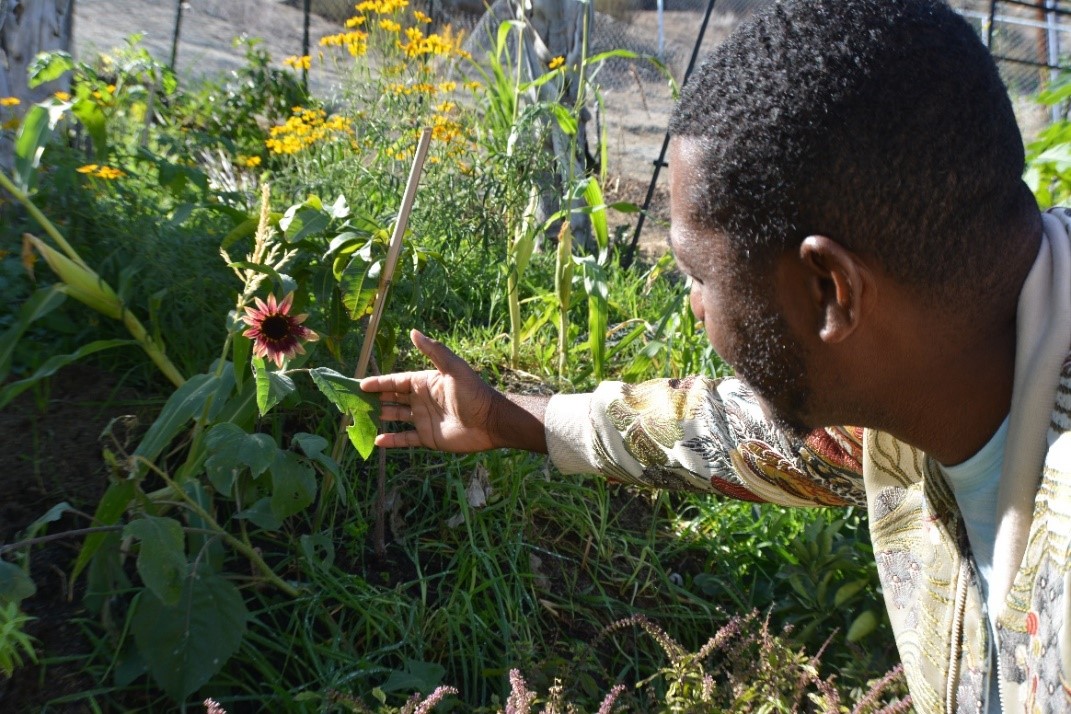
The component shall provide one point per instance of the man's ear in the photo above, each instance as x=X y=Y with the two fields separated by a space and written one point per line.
x=837 y=282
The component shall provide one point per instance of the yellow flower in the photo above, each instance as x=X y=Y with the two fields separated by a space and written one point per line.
x=302 y=62
x=473 y=85
x=62 y=96
x=11 y=124
x=108 y=173
x=111 y=89
x=10 y=101
x=445 y=107
x=556 y=62
x=447 y=86
x=421 y=17
x=389 y=25
x=87 y=169
x=355 y=21
x=249 y=161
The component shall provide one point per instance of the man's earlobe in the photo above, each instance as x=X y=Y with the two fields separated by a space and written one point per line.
x=838 y=282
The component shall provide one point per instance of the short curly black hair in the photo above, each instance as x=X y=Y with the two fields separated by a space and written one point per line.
x=881 y=124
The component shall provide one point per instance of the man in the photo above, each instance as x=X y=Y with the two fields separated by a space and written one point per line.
x=846 y=197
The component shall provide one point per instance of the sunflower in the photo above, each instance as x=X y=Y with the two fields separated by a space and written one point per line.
x=276 y=334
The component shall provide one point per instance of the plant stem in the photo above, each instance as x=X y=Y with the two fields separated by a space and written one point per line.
x=8 y=185
x=245 y=549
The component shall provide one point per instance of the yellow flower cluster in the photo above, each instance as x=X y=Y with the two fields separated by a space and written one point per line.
x=303 y=62
x=556 y=62
x=107 y=173
x=249 y=162
x=355 y=42
x=421 y=17
x=10 y=101
x=304 y=129
x=382 y=7
x=62 y=96
x=389 y=25
x=355 y=21
x=418 y=44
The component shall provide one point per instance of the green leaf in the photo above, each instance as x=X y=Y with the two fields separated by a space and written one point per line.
x=92 y=118
x=301 y=221
x=48 y=66
x=232 y=450
x=420 y=676
x=111 y=507
x=162 y=557
x=41 y=303
x=863 y=625
x=566 y=121
x=185 y=403
x=51 y=516
x=848 y=591
x=185 y=644
x=54 y=364
x=359 y=283
x=33 y=134
x=293 y=485
x=272 y=387
x=363 y=409
x=260 y=515
x=593 y=197
x=15 y=584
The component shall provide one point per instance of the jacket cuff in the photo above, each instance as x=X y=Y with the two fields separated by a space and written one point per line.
x=569 y=433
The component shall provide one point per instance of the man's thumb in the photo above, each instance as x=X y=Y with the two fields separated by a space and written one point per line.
x=439 y=354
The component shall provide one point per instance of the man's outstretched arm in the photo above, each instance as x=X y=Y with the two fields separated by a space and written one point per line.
x=451 y=409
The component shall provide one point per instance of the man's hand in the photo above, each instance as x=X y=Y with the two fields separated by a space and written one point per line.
x=452 y=409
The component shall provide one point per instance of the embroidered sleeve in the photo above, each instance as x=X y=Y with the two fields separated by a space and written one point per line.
x=702 y=435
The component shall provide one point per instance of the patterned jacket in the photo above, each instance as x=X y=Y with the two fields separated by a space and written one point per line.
x=703 y=435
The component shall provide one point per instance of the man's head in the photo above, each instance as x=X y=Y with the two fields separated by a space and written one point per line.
x=879 y=129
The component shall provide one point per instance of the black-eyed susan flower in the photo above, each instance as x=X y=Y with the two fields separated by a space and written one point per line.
x=276 y=334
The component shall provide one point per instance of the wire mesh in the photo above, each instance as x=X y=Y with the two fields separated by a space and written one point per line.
x=1028 y=39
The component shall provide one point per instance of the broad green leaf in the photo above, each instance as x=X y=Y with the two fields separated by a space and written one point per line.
x=162 y=557
x=359 y=283
x=847 y=591
x=205 y=547
x=111 y=507
x=33 y=134
x=315 y=447
x=185 y=403
x=92 y=118
x=54 y=364
x=272 y=387
x=863 y=625
x=301 y=221
x=232 y=450
x=318 y=549
x=48 y=66
x=347 y=395
x=15 y=584
x=293 y=485
x=260 y=515
x=423 y=677
x=41 y=303
x=185 y=644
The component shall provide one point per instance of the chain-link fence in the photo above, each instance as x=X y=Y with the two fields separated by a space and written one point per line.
x=198 y=37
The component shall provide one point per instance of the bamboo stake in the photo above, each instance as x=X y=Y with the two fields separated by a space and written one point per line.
x=393 y=252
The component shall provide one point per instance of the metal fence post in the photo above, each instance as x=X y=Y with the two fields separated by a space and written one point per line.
x=175 y=36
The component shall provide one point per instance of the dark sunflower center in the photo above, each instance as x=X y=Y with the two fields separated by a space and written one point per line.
x=275 y=327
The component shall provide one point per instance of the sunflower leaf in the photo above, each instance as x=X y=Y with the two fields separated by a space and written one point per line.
x=188 y=642
x=272 y=387
x=362 y=408
x=162 y=558
x=293 y=485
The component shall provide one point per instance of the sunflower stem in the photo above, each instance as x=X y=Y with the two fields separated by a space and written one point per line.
x=245 y=549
